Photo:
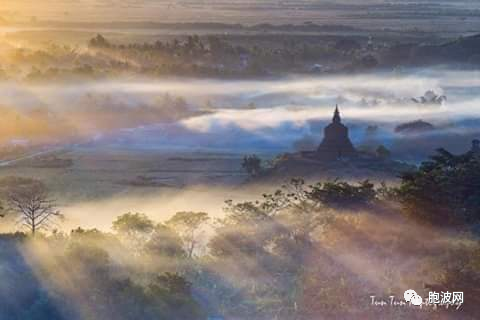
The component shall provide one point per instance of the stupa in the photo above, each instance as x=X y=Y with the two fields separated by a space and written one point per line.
x=336 y=143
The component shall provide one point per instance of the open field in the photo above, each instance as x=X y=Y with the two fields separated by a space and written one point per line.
x=102 y=183
x=438 y=16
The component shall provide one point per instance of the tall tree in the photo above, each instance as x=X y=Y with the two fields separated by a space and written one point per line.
x=188 y=225
x=134 y=228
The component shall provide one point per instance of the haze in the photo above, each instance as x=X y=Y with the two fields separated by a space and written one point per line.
x=249 y=160
x=368 y=13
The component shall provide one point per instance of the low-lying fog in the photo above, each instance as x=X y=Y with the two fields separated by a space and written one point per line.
x=238 y=117
x=245 y=116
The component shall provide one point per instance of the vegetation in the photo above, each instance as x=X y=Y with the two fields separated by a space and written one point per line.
x=36 y=209
x=444 y=191
x=252 y=165
x=190 y=55
x=343 y=195
x=289 y=255
x=232 y=55
x=133 y=228
x=188 y=225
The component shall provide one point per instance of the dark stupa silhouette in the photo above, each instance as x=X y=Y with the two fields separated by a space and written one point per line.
x=336 y=143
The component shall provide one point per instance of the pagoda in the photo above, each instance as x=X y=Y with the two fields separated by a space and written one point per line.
x=336 y=143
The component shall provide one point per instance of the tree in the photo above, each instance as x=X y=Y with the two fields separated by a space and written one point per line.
x=88 y=257
x=165 y=242
x=252 y=164
x=99 y=42
x=170 y=296
x=343 y=194
x=188 y=225
x=135 y=228
x=275 y=235
x=36 y=209
x=444 y=190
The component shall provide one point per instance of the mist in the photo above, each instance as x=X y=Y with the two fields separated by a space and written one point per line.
x=239 y=116
x=182 y=160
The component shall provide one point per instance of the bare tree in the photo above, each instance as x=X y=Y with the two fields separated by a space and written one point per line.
x=36 y=209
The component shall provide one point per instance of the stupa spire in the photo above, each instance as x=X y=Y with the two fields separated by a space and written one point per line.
x=336 y=115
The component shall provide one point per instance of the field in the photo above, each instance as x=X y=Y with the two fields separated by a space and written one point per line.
x=102 y=183
x=440 y=16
